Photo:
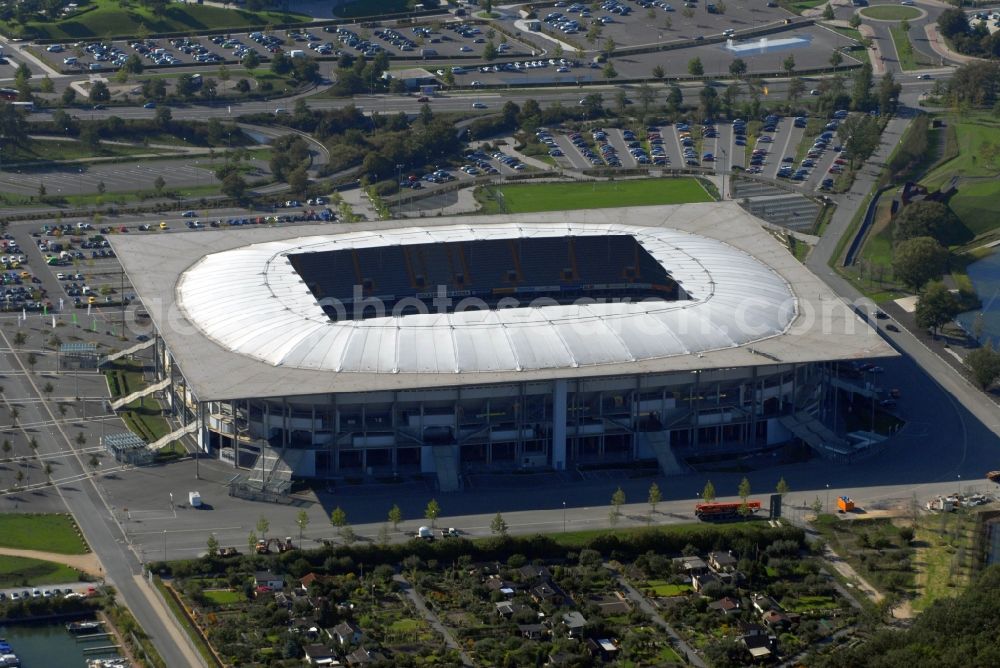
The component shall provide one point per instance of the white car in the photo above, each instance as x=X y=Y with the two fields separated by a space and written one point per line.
x=478 y=105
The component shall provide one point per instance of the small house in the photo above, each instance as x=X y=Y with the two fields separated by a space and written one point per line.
x=604 y=649
x=690 y=565
x=361 y=657
x=727 y=605
x=531 y=631
x=761 y=647
x=268 y=581
x=346 y=633
x=505 y=587
x=776 y=620
x=320 y=655
x=530 y=573
x=547 y=592
x=763 y=603
x=721 y=562
x=699 y=582
x=507 y=609
x=574 y=623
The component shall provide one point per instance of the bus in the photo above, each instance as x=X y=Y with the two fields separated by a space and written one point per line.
x=24 y=106
x=720 y=511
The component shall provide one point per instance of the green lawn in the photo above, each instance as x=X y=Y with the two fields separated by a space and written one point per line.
x=44 y=532
x=42 y=150
x=373 y=8
x=405 y=625
x=890 y=12
x=223 y=596
x=526 y=198
x=104 y=18
x=579 y=539
x=857 y=51
x=799 y=6
x=23 y=572
x=807 y=603
x=663 y=588
x=971 y=132
x=976 y=204
x=909 y=58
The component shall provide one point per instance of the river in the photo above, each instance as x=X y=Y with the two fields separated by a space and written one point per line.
x=985 y=277
x=50 y=644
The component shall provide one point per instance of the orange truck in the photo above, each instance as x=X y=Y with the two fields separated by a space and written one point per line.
x=845 y=504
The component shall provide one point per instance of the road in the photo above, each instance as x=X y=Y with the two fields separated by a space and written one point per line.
x=96 y=520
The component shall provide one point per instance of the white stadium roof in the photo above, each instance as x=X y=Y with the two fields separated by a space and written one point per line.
x=241 y=322
x=251 y=301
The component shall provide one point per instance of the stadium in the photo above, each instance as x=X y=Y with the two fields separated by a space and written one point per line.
x=449 y=346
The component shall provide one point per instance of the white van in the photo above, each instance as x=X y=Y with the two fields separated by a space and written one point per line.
x=296 y=53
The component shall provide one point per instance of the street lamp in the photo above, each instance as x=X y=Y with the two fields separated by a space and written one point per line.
x=827 y=497
x=564 y=517
x=164 y=545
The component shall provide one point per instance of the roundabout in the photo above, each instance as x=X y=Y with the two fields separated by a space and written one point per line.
x=892 y=13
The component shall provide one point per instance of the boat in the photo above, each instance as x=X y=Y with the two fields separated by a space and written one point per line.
x=108 y=663
x=83 y=627
x=7 y=657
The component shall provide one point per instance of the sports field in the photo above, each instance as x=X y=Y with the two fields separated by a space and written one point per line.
x=529 y=198
x=47 y=533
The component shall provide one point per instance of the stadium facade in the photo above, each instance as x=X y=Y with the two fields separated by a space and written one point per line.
x=449 y=345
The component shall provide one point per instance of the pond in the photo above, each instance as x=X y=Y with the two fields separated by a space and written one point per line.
x=985 y=277
x=50 y=644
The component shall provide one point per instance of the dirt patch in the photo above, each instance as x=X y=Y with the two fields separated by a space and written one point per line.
x=85 y=563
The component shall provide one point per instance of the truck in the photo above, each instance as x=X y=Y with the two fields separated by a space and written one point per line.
x=845 y=504
x=425 y=533
x=194 y=499
x=450 y=532
x=264 y=546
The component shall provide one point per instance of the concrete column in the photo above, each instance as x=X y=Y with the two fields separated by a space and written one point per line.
x=559 y=425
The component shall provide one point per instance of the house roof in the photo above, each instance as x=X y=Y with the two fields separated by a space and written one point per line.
x=574 y=619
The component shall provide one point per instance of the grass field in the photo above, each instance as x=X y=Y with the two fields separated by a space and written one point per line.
x=48 y=533
x=799 y=6
x=890 y=12
x=527 y=198
x=42 y=150
x=664 y=588
x=971 y=133
x=223 y=596
x=23 y=572
x=909 y=58
x=104 y=18
x=578 y=539
x=859 y=52
x=976 y=204
x=373 y=8
x=945 y=543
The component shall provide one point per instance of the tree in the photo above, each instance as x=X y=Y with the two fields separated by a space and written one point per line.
x=658 y=72
x=298 y=180
x=234 y=185
x=213 y=546
x=48 y=471
x=918 y=260
x=489 y=50
x=499 y=526
x=7 y=447
x=708 y=493
x=695 y=68
x=888 y=93
x=952 y=22
x=926 y=219
x=646 y=97
x=744 y=494
x=675 y=98
x=936 y=306
x=47 y=85
x=158 y=185
x=338 y=518
x=796 y=88
x=432 y=511
x=828 y=12
x=19 y=339
x=252 y=542
x=855 y=20
x=163 y=117
x=383 y=534
x=610 y=72
x=281 y=64
x=47 y=388
x=302 y=521
x=68 y=96
x=738 y=68
x=81 y=439
x=262 y=526
x=395 y=516
x=782 y=488
x=618 y=500
x=94 y=462
x=655 y=497
x=836 y=58
x=861 y=93
x=984 y=365
x=788 y=64
x=251 y=61
x=817 y=506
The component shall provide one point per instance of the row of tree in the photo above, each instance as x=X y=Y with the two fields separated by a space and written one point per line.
x=971 y=40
